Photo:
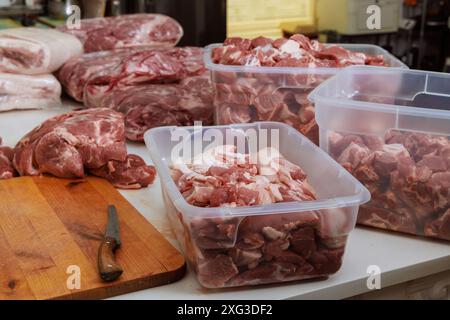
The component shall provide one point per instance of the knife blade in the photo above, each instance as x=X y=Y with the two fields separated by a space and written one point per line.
x=109 y=269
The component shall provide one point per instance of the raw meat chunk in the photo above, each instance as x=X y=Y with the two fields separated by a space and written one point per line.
x=95 y=74
x=6 y=156
x=153 y=105
x=28 y=92
x=36 y=51
x=132 y=173
x=255 y=249
x=69 y=145
x=109 y=33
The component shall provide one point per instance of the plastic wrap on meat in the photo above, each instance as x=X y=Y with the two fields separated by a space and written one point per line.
x=6 y=167
x=109 y=33
x=145 y=67
x=408 y=175
x=270 y=96
x=256 y=249
x=19 y=91
x=89 y=77
x=76 y=72
x=154 y=105
x=72 y=144
x=36 y=51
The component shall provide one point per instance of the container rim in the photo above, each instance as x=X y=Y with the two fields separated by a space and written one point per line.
x=289 y=70
x=318 y=95
x=360 y=196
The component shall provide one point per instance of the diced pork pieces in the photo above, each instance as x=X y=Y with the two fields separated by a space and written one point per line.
x=408 y=175
x=255 y=249
x=6 y=167
x=109 y=33
x=247 y=97
x=36 y=51
x=80 y=142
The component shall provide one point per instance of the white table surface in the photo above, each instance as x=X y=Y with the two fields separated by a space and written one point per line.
x=400 y=258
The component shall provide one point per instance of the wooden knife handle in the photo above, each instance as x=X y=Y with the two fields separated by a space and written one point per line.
x=108 y=268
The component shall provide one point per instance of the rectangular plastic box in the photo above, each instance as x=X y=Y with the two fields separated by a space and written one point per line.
x=391 y=129
x=213 y=238
x=246 y=94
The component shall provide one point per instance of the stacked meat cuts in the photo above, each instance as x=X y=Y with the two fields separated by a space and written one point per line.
x=6 y=156
x=408 y=175
x=253 y=249
x=150 y=86
x=126 y=31
x=246 y=96
x=80 y=142
x=27 y=57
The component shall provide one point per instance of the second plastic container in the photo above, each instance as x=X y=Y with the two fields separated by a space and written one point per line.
x=246 y=94
x=391 y=129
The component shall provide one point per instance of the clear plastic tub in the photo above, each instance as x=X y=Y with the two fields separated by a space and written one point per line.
x=391 y=129
x=246 y=94
x=217 y=241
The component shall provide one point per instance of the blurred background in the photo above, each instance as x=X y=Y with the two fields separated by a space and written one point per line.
x=416 y=31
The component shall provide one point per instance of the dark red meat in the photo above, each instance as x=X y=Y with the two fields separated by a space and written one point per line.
x=127 y=31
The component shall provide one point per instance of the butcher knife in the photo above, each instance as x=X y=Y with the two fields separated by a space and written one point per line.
x=107 y=266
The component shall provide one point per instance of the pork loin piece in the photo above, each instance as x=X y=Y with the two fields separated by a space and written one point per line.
x=19 y=91
x=36 y=51
x=6 y=167
x=75 y=143
x=90 y=76
x=109 y=33
x=154 y=105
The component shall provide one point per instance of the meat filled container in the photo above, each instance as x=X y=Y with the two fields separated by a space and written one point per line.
x=230 y=245
x=391 y=129
x=248 y=93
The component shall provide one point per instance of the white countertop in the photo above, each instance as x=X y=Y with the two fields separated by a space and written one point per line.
x=400 y=258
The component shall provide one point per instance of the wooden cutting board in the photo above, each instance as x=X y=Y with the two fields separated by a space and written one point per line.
x=50 y=232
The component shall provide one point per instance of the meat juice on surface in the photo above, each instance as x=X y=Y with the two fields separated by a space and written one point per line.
x=245 y=96
x=408 y=175
x=255 y=249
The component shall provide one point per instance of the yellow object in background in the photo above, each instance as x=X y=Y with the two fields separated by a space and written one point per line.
x=252 y=18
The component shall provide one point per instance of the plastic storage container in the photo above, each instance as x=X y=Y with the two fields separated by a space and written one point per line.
x=391 y=129
x=246 y=93
x=213 y=239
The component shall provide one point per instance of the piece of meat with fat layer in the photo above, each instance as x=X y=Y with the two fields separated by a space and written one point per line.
x=72 y=144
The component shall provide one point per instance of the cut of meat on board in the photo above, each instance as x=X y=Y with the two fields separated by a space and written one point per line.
x=6 y=167
x=19 y=91
x=408 y=175
x=276 y=96
x=94 y=74
x=255 y=249
x=127 y=31
x=154 y=105
x=36 y=51
x=80 y=142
